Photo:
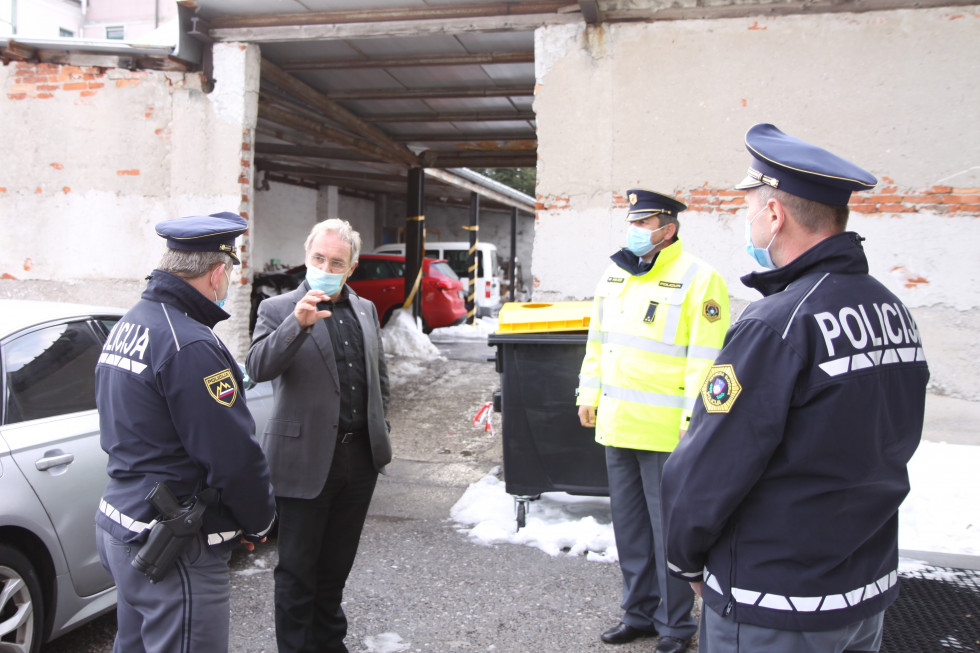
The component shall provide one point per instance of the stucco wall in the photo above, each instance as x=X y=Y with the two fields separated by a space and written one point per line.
x=665 y=106
x=95 y=157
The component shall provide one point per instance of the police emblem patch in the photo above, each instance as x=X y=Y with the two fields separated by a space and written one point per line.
x=711 y=311
x=222 y=387
x=632 y=198
x=721 y=389
x=615 y=279
x=670 y=284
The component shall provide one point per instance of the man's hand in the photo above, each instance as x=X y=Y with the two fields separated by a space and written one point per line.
x=305 y=311
x=697 y=588
x=586 y=415
x=683 y=433
x=250 y=546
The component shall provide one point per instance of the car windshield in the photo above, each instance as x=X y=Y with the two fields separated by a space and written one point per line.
x=442 y=269
x=459 y=262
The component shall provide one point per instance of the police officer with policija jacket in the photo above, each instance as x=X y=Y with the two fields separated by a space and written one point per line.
x=171 y=412
x=658 y=321
x=781 y=504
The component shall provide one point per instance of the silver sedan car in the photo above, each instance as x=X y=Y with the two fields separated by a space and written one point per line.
x=53 y=470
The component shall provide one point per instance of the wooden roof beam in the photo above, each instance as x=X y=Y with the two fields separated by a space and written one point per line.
x=450 y=116
x=482 y=59
x=469 y=10
x=425 y=93
x=306 y=93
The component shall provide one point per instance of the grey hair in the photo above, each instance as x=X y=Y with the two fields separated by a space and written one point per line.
x=342 y=229
x=191 y=265
x=814 y=217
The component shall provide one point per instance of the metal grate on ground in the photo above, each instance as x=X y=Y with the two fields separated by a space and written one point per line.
x=938 y=610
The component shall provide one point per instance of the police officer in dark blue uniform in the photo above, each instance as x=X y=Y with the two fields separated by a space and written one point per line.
x=781 y=504
x=171 y=411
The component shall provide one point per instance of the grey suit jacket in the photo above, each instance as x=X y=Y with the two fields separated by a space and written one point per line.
x=300 y=436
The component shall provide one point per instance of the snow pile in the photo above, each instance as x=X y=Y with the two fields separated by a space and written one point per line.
x=941 y=513
x=557 y=523
x=403 y=337
x=479 y=330
x=386 y=643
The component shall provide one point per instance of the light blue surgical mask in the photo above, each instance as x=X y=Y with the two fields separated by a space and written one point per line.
x=638 y=239
x=220 y=303
x=761 y=256
x=328 y=282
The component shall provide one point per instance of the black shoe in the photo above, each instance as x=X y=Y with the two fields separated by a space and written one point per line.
x=669 y=644
x=623 y=633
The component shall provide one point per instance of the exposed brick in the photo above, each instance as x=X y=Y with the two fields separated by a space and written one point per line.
x=96 y=85
x=22 y=88
x=896 y=208
x=885 y=199
x=75 y=86
x=864 y=208
x=58 y=166
x=961 y=199
x=48 y=87
x=243 y=180
x=89 y=93
x=128 y=173
x=3 y=189
x=127 y=82
x=246 y=164
x=922 y=199
x=66 y=189
x=966 y=191
x=246 y=147
x=942 y=190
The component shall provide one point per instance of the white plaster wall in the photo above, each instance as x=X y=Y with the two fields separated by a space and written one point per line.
x=665 y=106
x=44 y=18
x=88 y=173
x=360 y=213
x=284 y=215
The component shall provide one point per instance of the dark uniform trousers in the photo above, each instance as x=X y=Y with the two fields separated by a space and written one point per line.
x=187 y=611
x=318 y=541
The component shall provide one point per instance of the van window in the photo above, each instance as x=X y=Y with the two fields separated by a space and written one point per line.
x=458 y=261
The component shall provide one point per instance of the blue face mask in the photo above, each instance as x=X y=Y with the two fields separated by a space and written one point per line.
x=761 y=256
x=638 y=239
x=220 y=303
x=328 y=282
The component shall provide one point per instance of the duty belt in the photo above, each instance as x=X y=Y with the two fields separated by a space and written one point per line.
x=138 y=527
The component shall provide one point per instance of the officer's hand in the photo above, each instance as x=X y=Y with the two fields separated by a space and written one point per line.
x=697 y=588
x=305 y=311
x=586 y=415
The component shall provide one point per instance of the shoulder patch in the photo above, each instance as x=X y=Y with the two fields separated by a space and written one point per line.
x=616 y=279
x=721 y=389
x=711 y=311
x=670 y=284
x=222 y=387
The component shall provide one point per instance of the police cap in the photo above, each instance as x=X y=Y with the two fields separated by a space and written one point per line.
x=646 y=203
x=799 y=168
x=204 y=233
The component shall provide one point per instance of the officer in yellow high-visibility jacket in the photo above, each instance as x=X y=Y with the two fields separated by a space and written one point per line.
x=659 y=319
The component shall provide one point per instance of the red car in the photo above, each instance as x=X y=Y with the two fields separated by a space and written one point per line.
x=381 y=278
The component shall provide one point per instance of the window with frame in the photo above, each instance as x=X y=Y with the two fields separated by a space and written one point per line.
x=50 y=371
x=115 y=32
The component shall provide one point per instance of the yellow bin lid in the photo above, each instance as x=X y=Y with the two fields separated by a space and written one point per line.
x=532 y=317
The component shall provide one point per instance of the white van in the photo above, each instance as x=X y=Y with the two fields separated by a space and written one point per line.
x=487 y=273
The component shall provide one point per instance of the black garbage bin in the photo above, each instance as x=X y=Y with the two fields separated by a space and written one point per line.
x=539 y=353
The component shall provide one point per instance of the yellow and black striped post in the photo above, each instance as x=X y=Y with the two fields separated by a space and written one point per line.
x=472 y=257
x=414 y=238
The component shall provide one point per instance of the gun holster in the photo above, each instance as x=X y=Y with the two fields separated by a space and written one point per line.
x=177 y=525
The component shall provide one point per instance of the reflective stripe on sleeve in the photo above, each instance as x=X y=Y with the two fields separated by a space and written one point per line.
x=708 y=353
x=589 y=382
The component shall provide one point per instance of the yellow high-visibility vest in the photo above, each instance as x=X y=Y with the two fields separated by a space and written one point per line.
x=651 y=341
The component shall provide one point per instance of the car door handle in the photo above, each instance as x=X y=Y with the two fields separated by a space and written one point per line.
x=54 y=461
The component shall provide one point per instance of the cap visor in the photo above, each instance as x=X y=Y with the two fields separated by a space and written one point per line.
x=747 y=183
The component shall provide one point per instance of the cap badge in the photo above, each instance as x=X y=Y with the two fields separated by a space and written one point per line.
x=633 y=198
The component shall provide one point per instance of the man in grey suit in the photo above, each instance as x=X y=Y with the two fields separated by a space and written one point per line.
x=327 y=439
